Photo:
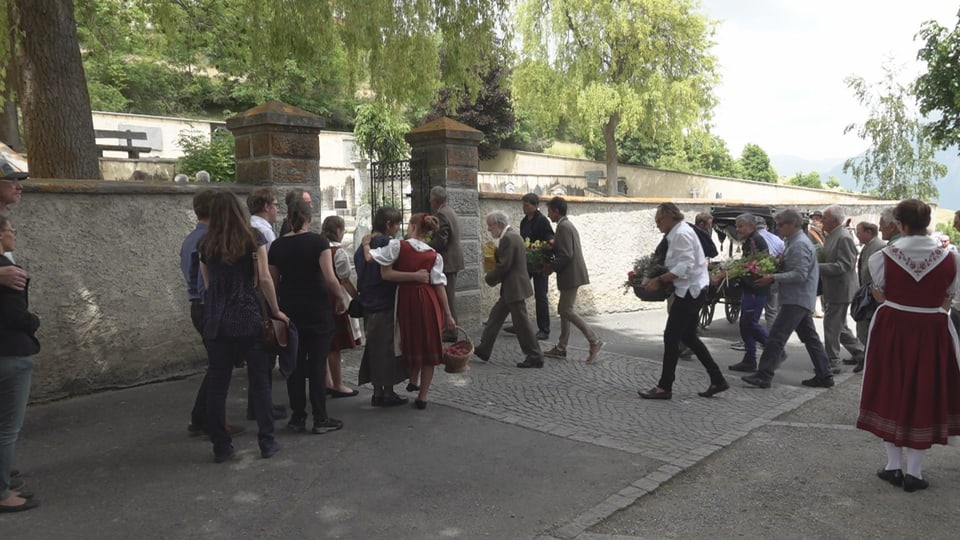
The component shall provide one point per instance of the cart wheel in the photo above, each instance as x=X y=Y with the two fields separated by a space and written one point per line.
x=732 y=312
x=706 y=315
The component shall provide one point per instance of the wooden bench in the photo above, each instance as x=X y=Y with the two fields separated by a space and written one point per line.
x=133 y=152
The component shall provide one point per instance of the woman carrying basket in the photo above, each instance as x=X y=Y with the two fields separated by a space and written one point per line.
x=422 y=310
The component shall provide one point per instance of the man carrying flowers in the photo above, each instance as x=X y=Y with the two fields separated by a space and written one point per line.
x=753 y=248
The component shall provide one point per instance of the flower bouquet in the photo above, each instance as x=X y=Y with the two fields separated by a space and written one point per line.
x=645 y=269
x=539 y=253
x=748 y=269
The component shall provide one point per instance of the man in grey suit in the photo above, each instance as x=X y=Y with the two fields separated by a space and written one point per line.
x=446 y=242
x=869 y=236
x=571 y=275
x=511 y=274
x=798 y=296
x=839 y=274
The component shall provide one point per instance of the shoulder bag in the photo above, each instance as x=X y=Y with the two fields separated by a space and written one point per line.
x=274 y=330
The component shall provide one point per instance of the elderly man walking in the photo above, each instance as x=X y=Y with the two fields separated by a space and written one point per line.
x=869 y=236
x=754 y=298
x=798 y=296
x=510 y=273
x=839 y=274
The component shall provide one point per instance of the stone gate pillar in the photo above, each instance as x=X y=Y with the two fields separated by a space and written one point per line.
x=277 y=143
x=449 y=151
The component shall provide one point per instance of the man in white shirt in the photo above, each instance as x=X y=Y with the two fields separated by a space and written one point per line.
x=263 y=206
x=687 y=270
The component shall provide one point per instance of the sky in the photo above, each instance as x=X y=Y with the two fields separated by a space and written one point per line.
x=783 y=62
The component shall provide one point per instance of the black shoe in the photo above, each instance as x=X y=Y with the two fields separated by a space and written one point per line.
x=376 y=401
x=297 y=426
x=895 y=476
x=417 y=404
x=715 y=389
x=226 y=456
x=756 y=380
x=745 y=367
x=543 y=336
x=269 y=450
x=510 y=329
x=530 y=363
x=859 y=367
x=325 y=426
x=654 y=394
x=850 y=361
x=412 y=388
x=818 y=382
x=478 y=355
x=912 y=483
x=393 y=401
x=338 y=394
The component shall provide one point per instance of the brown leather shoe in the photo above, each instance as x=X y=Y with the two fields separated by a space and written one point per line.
x=655 y=393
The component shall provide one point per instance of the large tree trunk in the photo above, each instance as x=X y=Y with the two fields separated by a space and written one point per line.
x=610 y=142
x=57 y=120
x=9 y=123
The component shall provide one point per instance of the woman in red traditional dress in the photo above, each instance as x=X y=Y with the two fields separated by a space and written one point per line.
x=911 y=383
x=422 y=310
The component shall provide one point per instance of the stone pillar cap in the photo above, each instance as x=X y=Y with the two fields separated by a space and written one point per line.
x=443 y=128
x=276 y=113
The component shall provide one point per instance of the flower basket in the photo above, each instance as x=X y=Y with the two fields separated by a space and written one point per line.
x=658 y=295
x=456 y=357
x=539 y=253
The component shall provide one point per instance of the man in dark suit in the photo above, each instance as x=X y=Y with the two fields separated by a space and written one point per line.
x=571 y=275
x=869 y=236
x=839 y=275
x=511 y=274
x=446 y=242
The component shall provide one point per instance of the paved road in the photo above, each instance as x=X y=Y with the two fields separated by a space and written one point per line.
x=568 y=451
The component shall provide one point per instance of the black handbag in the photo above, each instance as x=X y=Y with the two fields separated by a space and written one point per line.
x=863 y=304
x=355 y=309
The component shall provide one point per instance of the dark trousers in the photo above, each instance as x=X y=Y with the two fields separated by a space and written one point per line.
x=540 y=284
x=521 y=326
x=751 y=332
x=793 y=318
x=199 y=412
x=222 y=354
x=311 y=364
x=682 y=327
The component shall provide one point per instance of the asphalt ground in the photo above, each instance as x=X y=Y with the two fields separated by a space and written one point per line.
x=568 y=451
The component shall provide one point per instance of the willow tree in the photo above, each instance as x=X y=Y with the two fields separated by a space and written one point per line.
x=900 y=163
x=391 y=45
x=616 y=66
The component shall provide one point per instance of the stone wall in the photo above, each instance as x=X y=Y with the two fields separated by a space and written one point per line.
x=527 y=171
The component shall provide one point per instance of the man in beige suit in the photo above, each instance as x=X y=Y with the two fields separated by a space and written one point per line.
x=511 y=274
x=571 y=275
x=839 y=275
x=446 y=242
x=869 y=236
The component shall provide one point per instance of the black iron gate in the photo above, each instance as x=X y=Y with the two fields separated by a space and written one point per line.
x=402 y=184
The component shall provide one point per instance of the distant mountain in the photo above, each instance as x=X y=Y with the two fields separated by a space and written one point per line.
x=949 y=185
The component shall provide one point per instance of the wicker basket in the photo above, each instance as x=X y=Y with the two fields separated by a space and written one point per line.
x=458 y=363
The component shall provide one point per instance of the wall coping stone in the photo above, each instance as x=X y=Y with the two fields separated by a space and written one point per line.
x=443 y=129
x=110 y=187
x=275 y=112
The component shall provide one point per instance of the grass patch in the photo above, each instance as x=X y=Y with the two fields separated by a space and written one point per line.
x=565 y=149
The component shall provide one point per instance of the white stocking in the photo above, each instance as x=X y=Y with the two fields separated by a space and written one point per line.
x=893 y=456
x=915 y=462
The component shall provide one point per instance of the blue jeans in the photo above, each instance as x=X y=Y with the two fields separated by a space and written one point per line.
x=751 y=332
x=14 y=393
x=222 y=354
x=790 y=318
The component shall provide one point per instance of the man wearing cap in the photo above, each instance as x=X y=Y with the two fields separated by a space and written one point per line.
x=10 y=193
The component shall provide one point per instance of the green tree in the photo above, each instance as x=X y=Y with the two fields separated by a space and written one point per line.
x=379 y=132
x=755 y=165
x=946 y=228
x=899 y=163
x=214 y=154
x=809 y=180
x=615 y=66
x=833 y=182
x=937 y=90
